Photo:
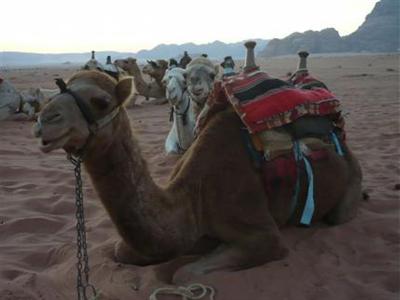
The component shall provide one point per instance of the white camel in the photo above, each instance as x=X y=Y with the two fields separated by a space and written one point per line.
x=181 y=135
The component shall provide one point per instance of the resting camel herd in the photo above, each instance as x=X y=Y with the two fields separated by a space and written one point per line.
x=215 y=204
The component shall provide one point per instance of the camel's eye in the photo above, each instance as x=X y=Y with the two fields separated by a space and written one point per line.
x=212 y=76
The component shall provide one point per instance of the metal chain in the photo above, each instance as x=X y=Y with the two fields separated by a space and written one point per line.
x=82 y=283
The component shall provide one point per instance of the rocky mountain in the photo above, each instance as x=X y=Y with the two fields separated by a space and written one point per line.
x=378 y=33
x=380 y=30
x=327 y=40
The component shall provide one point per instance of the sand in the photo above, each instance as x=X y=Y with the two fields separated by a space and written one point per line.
x=357 y=260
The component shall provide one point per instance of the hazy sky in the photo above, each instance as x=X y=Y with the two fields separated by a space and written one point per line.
x=49 y=26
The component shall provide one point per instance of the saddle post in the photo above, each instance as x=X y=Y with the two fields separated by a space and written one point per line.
x=93 y=54
x=250 y=62
x=303 y=60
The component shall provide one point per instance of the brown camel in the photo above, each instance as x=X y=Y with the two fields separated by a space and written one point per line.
x=214 y=203
x=156 y=70
x=148 y=90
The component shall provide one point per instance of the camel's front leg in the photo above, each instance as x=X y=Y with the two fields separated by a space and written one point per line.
x=125 y=254
x=233 y=257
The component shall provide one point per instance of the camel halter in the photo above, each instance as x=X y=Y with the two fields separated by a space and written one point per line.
x=183 y=115
x=93 y=125
x=82 y=282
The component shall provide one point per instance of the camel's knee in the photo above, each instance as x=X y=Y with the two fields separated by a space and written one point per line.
x=265 y=250
x=347 y=208
x=126 y=255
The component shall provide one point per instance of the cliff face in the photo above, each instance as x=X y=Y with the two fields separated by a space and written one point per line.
x=380 y=30
x=378 y=33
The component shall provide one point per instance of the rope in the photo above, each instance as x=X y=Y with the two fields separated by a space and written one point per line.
x=195 y=291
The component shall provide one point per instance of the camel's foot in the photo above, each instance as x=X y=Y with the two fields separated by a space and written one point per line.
x=231 y=258
x=126 y=255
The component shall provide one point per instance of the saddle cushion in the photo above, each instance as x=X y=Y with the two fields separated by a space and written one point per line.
x=263 y=102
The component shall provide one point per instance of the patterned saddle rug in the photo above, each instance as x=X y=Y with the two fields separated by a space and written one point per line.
x=263 y=102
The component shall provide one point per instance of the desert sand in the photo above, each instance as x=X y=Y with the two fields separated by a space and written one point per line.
x=356 y=260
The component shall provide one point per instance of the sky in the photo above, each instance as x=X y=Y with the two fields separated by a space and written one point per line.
x=51 y=26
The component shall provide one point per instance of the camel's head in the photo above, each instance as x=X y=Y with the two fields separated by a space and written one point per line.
x=175 y=83
x=63 y=124
x=127 y=64
x=155 y=67
x=200 y=76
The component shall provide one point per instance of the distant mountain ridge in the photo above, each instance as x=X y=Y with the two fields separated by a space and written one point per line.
x=378 y=33
x=214 y=50
x=9 y=58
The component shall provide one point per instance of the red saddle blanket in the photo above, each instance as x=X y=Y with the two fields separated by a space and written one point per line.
x=263 y=102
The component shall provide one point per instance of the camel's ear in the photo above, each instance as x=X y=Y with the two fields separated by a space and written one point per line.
x=123 y=89
x=100 y=102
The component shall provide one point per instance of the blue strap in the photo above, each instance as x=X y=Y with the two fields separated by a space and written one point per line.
x=337 y=143
x=309 y=207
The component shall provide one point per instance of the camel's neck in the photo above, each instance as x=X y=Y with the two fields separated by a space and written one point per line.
x=184 y=119
x=158 y=77
x=140 y=84
x=140 y=210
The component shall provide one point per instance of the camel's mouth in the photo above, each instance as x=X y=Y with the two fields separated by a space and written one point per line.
x=56 y=143
x=198 y=94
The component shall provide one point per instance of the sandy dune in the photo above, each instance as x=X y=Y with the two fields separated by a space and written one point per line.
x=357 y=260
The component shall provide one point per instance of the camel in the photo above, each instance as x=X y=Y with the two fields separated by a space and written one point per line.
x=10 y=99
x=34 y=99
x=181 y=135
x=187 y=100
x=214 y=204
x=93 y=64
x=22 y=105
x=141 y=87
x=109 y=68
x=200 y=76
x=185 y=60
x=156 y=70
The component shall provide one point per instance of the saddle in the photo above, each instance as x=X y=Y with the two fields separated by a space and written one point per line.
x=288 y=126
